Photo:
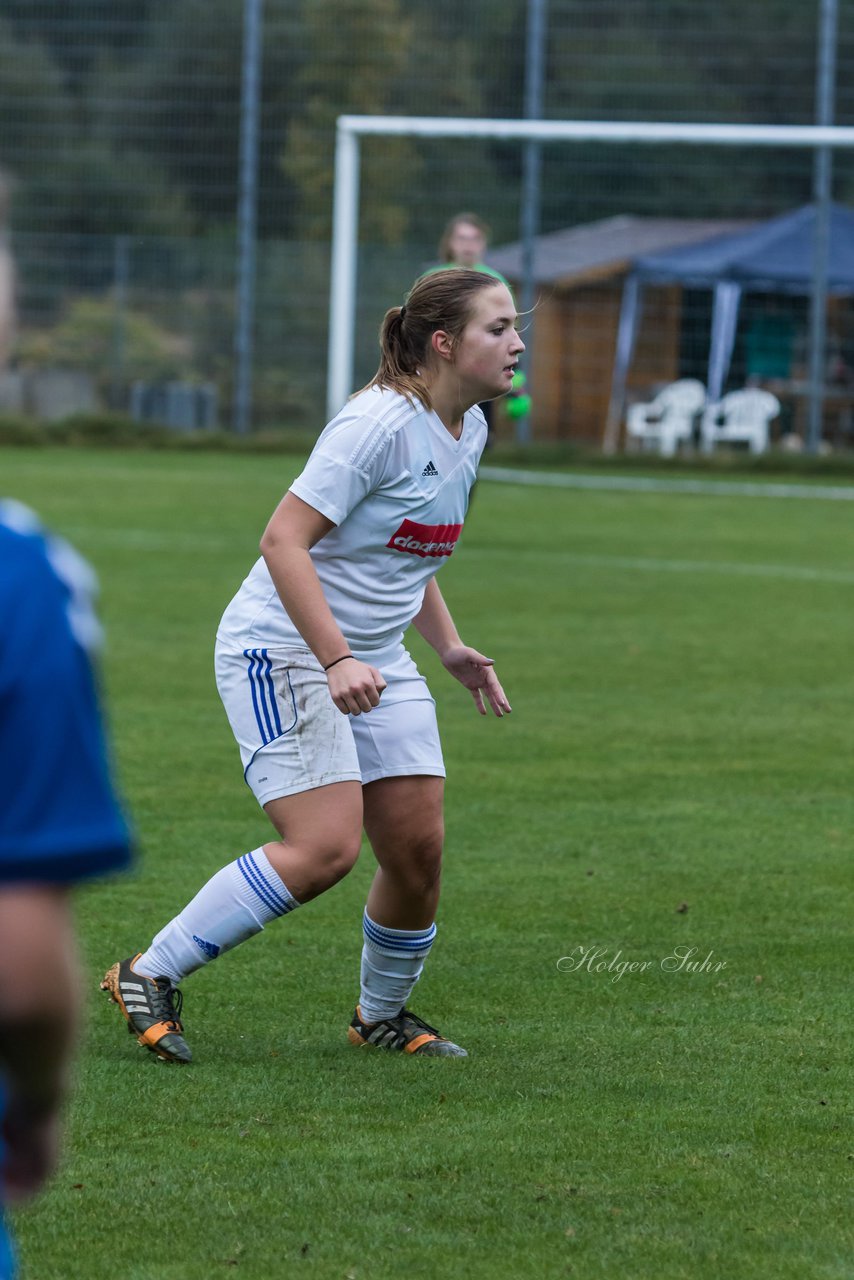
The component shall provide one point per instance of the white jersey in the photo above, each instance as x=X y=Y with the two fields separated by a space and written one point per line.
x=396 y=484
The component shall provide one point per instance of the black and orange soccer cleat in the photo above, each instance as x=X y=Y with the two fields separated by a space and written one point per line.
x=151 y=1007
x=405 y=1033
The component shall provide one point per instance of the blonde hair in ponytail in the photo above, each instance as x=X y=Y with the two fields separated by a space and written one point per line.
x=439 y=300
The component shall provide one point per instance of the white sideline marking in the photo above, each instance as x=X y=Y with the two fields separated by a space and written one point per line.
x=644 y=484
x=151 y=540
x=652 y=564
x=510 y=475
x=175 y=544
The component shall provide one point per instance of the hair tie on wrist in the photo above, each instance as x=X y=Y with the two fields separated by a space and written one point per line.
x=343 y=658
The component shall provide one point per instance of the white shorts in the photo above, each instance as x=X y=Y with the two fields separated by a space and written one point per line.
x=293 y=738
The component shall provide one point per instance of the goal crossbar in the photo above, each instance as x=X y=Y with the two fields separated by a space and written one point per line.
x=350 y=128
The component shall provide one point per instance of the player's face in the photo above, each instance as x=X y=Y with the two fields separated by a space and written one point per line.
x=467 y=245
x=489 y=347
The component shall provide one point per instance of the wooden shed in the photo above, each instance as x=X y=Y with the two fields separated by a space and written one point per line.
x=579 y=274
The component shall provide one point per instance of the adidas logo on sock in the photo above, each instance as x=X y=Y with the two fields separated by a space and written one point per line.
x=210 y=948
x=430 y=469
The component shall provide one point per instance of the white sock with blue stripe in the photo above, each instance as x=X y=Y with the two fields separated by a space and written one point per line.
x=392 y=960
x=234 y=904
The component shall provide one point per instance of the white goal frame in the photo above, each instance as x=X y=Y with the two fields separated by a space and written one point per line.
x=351 y=128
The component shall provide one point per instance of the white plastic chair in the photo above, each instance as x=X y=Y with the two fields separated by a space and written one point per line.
x=667 y=420
x=742 y=417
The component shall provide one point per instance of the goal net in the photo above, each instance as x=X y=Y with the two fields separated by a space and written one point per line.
x=345 y=283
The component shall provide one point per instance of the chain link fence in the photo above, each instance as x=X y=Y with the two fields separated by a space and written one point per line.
x=121 y=151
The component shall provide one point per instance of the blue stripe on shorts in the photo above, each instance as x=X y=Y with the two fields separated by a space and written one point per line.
x=260 y=675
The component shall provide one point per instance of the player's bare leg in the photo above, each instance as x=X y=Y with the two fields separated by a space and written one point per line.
x=404 y=822
x=320 y=837
x=320 y=833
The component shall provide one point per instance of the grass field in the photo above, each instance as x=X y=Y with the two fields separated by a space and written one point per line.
x=677 y=773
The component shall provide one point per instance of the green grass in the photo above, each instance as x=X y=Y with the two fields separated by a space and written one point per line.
x=676 y=773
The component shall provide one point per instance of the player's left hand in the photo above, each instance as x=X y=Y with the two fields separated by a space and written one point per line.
x=477 y=673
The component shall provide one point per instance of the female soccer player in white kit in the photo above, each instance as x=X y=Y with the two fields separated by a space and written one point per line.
x=336 y=726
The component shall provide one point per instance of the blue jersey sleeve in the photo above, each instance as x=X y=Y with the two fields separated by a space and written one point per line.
x=60 y=819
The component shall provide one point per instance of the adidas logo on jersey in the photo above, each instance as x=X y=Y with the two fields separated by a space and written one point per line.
x=430 y=469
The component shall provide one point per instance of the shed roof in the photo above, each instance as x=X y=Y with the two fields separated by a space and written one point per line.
x=597 y=250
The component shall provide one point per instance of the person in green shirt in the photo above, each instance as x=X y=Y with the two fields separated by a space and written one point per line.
x=463 y=244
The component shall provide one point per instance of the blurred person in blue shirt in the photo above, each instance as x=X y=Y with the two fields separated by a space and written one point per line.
x=60 y=823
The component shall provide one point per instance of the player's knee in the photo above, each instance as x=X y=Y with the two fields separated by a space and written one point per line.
x=333 y=857
x=420 y=867
x=319 y=864
x=340 y=858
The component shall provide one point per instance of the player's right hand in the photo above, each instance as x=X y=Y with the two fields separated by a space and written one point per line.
x=355 y=686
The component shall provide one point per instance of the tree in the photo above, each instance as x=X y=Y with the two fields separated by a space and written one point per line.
x=356 y=50
x=182 y=96
x=67 y=176
x=37 y=109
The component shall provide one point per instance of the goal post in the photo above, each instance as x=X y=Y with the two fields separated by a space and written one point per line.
x=351 y=128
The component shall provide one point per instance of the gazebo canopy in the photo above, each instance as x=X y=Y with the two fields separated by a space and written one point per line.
x=774 y=256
